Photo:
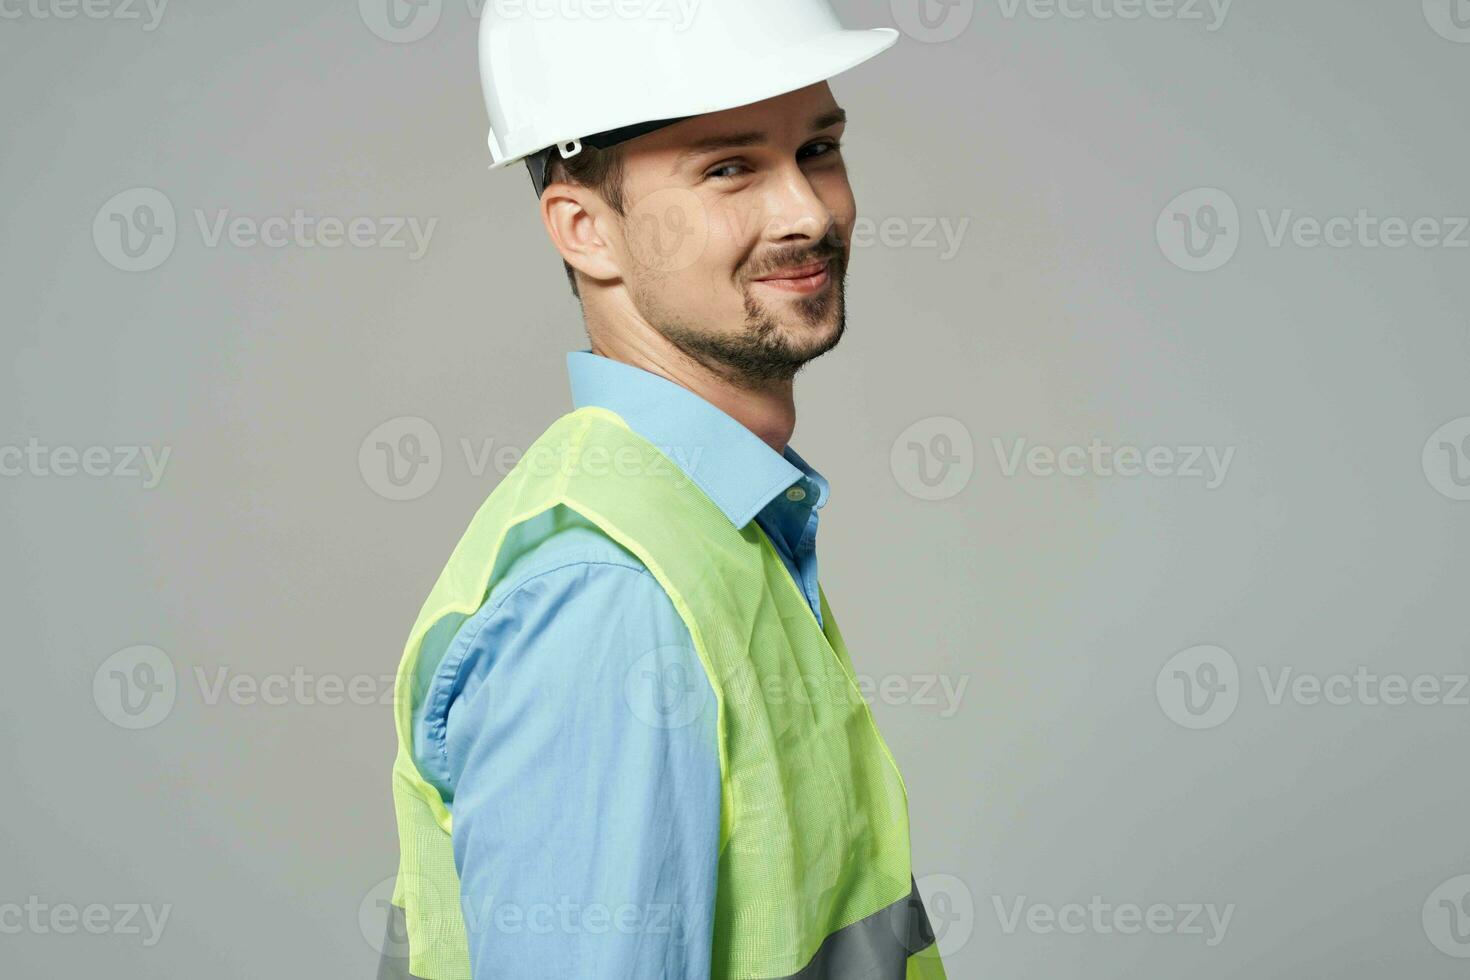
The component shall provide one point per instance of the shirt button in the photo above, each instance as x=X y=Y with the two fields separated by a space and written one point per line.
x=795 y=494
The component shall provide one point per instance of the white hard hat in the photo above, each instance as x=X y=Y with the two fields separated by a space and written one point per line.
x=558 y=74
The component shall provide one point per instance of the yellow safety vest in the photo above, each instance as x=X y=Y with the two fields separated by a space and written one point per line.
x=814 y=880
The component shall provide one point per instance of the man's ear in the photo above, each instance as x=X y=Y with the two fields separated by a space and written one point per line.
x=575 y=218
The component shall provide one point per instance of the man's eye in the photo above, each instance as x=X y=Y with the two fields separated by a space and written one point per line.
x=717 y=175
x=822 y=148
x=832 y=147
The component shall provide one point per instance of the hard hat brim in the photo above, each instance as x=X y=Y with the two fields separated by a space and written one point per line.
x=792 y=68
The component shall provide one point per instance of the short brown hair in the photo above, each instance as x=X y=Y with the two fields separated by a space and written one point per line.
x=599 y=170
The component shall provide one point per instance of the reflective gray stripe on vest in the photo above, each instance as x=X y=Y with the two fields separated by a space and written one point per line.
x=393 y=964
x=875 y=948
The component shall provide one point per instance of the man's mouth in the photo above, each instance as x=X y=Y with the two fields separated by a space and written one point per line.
x=800 y=279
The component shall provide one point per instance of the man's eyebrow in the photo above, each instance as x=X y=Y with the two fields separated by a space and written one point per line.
x=832 y=118
x=726 y=141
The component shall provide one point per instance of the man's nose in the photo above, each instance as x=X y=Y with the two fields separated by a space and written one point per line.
x=794 y=211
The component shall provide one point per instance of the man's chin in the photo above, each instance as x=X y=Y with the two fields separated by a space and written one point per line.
x=804 y=340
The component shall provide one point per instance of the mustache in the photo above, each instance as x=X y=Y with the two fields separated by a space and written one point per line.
x=826 y=249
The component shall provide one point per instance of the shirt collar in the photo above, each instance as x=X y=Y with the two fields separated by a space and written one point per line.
x=734 y=467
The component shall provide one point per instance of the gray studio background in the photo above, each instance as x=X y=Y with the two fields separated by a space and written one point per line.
x=1068 y=665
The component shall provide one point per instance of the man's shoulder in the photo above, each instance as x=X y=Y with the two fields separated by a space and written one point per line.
x=558 y=541
x=560 y=579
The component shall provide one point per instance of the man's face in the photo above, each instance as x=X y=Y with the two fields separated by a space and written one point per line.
x=717 y=206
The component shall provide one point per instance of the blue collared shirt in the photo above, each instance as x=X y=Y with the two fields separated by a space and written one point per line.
x=571 y=727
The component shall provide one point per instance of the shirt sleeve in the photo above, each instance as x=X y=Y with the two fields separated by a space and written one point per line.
x=579 y=749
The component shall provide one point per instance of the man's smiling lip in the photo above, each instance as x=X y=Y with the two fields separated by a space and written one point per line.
x=801 y=272
x=807 y=279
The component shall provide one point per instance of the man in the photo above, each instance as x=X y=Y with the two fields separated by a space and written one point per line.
x=631 y=743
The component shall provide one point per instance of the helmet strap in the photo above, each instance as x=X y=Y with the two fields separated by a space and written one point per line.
x=539 y=163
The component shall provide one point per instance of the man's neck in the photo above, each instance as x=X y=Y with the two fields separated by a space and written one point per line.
x=769 y=412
